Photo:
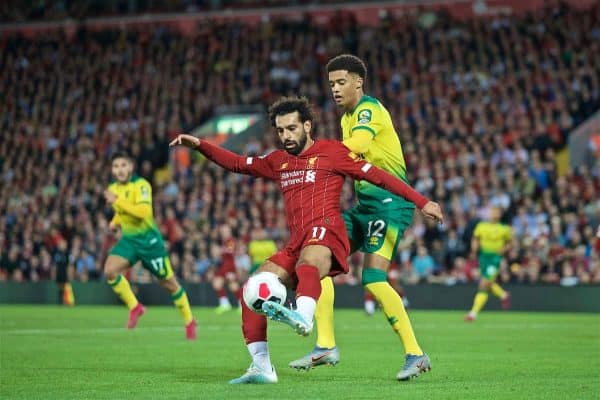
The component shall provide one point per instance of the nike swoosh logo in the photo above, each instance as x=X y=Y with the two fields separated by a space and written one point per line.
x=420 y=364
x=319 y=358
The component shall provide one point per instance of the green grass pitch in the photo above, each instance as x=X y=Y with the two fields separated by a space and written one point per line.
x=49 y=352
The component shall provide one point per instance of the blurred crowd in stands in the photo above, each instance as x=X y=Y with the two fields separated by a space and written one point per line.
x=483 y=108
x=47 y=10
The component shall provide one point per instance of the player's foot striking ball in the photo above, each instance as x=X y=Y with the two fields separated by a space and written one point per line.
x=277 y=312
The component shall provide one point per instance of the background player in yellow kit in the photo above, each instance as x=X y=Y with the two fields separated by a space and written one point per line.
x=490 y=240
x=376 y=223
x=260 y=248
x=131 y=198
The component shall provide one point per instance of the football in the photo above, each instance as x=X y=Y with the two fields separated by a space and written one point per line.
x=262 y=287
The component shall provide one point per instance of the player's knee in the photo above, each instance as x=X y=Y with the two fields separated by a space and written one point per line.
x=171 y=285
x=373 y=275
x=217 y=283
x=110 y=272
x=485 y=284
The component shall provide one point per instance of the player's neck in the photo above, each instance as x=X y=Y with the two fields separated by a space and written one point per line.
x=352 y=106
x=308 y=145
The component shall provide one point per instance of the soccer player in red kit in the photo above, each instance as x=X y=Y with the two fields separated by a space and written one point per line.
x=226 y=275
x=310 y=175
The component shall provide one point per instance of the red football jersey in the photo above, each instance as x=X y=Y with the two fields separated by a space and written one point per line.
x=311 y=183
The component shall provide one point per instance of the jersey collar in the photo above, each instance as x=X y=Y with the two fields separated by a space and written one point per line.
x=363 y=99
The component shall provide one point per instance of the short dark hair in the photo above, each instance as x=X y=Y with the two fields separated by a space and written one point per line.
x=349 y=63
x=287 y=105
x=120 y=154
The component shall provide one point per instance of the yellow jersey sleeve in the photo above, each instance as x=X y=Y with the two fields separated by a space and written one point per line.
x=142 y=192
x=477 y=231
x=508 y=233
x=368 y=117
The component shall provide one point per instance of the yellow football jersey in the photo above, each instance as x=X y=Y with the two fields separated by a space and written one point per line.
x=385 y=151
x=260 y=250
x=492 y=236
x=136 y=191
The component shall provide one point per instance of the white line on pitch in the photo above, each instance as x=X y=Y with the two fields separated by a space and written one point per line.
x=378 y=326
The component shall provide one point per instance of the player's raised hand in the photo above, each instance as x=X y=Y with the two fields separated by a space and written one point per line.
x=185 y=140
x=434 y=211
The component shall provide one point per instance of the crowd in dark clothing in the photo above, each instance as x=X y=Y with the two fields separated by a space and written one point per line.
x=483 y=109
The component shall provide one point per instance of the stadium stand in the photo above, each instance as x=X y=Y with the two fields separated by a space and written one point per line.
x=483 y=108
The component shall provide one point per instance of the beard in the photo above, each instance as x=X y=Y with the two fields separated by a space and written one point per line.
x=126 y=179
x=298 y=146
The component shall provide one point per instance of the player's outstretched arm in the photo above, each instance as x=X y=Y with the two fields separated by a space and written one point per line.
x=361 y=170
x=226 y=159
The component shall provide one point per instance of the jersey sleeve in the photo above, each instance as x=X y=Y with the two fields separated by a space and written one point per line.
x=359 y=142
x=255 y=166
x=369 y=118
x=143 y=192
x=348 y=163
x=508 y=233
x=477 y=231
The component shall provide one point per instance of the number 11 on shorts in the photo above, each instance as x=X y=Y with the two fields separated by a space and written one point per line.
x=318 y=232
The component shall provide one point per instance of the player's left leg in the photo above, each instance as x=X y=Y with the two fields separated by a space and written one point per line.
x=502 y=294
x=180 y=299
x=375 y=281
x=480 y=299
x=254 y=328
x=313 y=263
x=383 y=232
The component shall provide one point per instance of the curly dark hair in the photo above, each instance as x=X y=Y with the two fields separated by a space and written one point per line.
x=287 y=105
x=349 y=63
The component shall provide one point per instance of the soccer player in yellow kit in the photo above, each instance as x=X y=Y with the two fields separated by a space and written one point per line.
x=260 y=248
x=131 y=199
x=376 y=224
x=490 y=240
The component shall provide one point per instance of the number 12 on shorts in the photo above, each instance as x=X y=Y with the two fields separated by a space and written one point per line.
x=318 y=232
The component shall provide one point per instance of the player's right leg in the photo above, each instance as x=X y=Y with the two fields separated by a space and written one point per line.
x=180 y=300
x=502 y=294
x=154 y=258
x=489 y=267
x=254 y=328
x=325 y=351
x=218 y=284
x=116 y=263
x=314 y=262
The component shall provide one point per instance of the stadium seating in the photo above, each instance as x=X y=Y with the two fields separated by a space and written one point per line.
x=483 y=109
